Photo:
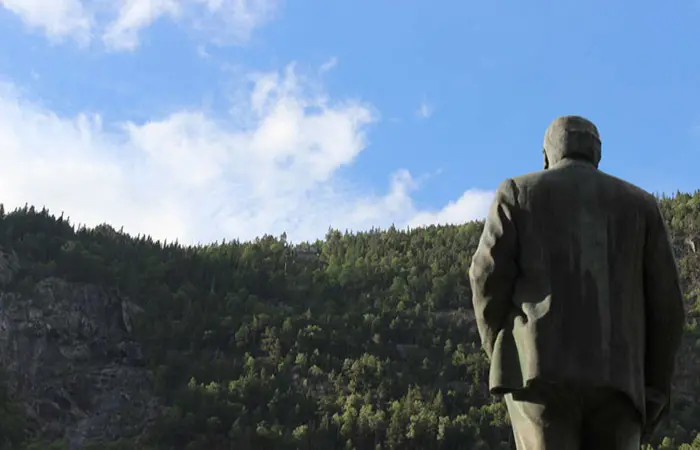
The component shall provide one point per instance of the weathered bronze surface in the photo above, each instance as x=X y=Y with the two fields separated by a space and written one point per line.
x=577 y=299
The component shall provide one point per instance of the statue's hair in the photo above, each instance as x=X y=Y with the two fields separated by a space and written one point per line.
x=572 y=137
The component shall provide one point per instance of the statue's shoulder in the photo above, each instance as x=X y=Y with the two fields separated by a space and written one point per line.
x=622 y=190
x=530 y=178
x=628 y=188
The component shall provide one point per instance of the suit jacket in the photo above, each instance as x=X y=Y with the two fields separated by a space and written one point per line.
x=574 y=281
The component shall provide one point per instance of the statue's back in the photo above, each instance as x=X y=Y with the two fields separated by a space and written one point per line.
x=581 y=281
x=577 y=300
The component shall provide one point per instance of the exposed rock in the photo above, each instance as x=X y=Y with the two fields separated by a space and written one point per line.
x=456 y=315
x=9 y=265
x=692 y=242
x=70 y=359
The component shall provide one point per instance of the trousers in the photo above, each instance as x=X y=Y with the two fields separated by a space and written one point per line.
x=558 y=417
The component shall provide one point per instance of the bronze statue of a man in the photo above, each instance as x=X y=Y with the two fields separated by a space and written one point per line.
x=577 y=299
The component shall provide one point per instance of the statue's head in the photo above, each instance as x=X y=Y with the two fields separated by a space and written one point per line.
x=571 y=137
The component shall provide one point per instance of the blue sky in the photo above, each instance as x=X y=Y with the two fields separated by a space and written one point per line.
x=210 y=119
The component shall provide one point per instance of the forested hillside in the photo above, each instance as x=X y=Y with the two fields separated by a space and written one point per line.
x=358 y=341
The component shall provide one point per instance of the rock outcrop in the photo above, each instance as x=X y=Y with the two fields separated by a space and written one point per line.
x=69 y=358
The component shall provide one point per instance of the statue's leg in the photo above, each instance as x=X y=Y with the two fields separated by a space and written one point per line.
x=543 y=423
x=611 y=422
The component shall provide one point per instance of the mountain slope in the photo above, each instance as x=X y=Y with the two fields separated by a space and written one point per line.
x=361 y=341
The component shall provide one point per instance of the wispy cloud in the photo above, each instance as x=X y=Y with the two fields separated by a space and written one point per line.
x=58 y=19
x=119 y=23
x=329 y=65
x=133 y=16
x=425 y=110
x=272 y=167
x=233 y=21
x=202 y=52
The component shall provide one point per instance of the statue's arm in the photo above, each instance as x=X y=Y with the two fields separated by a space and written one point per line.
x=665 y=315
x=494 y=266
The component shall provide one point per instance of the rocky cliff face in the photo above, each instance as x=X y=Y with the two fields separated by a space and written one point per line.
x=68 y=356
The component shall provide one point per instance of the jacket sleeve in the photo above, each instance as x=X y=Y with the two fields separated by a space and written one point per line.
x=665 y=316
x=494 y=266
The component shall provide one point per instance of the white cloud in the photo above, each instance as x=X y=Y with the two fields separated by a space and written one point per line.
x=134 y=15
x=425 y=110
x=120 y=22
x=59 y=19
x=329 y=65
x=272 y=168
x=202 y=52
x=235 y=20
x=473 y=203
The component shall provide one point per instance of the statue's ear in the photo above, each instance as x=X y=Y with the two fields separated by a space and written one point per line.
x=546 y=160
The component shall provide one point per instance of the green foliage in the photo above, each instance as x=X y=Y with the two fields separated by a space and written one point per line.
x=41 y=445
x=12 y=421
x=358 y=341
